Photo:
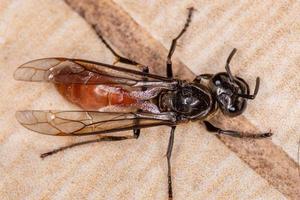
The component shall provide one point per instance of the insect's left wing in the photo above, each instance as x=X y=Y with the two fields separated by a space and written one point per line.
x=89 y=122
x=76 y=71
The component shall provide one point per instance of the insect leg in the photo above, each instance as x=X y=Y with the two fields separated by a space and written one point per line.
x=169 y=153
x=104 y=138
x=145 y=69
x=119 y=58
x=212 y=128
x=174 y=42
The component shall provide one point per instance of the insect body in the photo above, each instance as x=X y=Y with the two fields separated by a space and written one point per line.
x=114 y=98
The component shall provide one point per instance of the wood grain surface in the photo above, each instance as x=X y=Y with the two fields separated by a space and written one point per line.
x=267 y=35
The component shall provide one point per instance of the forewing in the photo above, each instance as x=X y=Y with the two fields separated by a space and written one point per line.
x=67 y=71
x=88 y=122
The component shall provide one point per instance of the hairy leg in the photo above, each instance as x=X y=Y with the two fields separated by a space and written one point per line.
x=104 y=138
x=212 y=128
x=169 y=153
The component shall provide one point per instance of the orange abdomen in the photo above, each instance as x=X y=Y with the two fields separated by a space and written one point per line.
x=93 y=97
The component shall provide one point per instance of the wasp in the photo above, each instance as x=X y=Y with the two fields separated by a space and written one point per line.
x=115 y=98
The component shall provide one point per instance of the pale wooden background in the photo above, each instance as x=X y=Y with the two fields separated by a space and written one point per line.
x=267 y=35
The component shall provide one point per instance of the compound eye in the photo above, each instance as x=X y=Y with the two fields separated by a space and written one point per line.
x=220 y=78
x=217 y=82
x=237 y=108
x=232 y=109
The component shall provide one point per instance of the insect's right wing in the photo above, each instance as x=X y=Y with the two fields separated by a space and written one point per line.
x=75 y=123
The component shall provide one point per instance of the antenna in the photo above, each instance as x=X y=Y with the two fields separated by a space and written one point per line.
x=252 y=96
x=227 y=67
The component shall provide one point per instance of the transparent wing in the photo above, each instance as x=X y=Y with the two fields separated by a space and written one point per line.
x=63 y=123
x=68 y=71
